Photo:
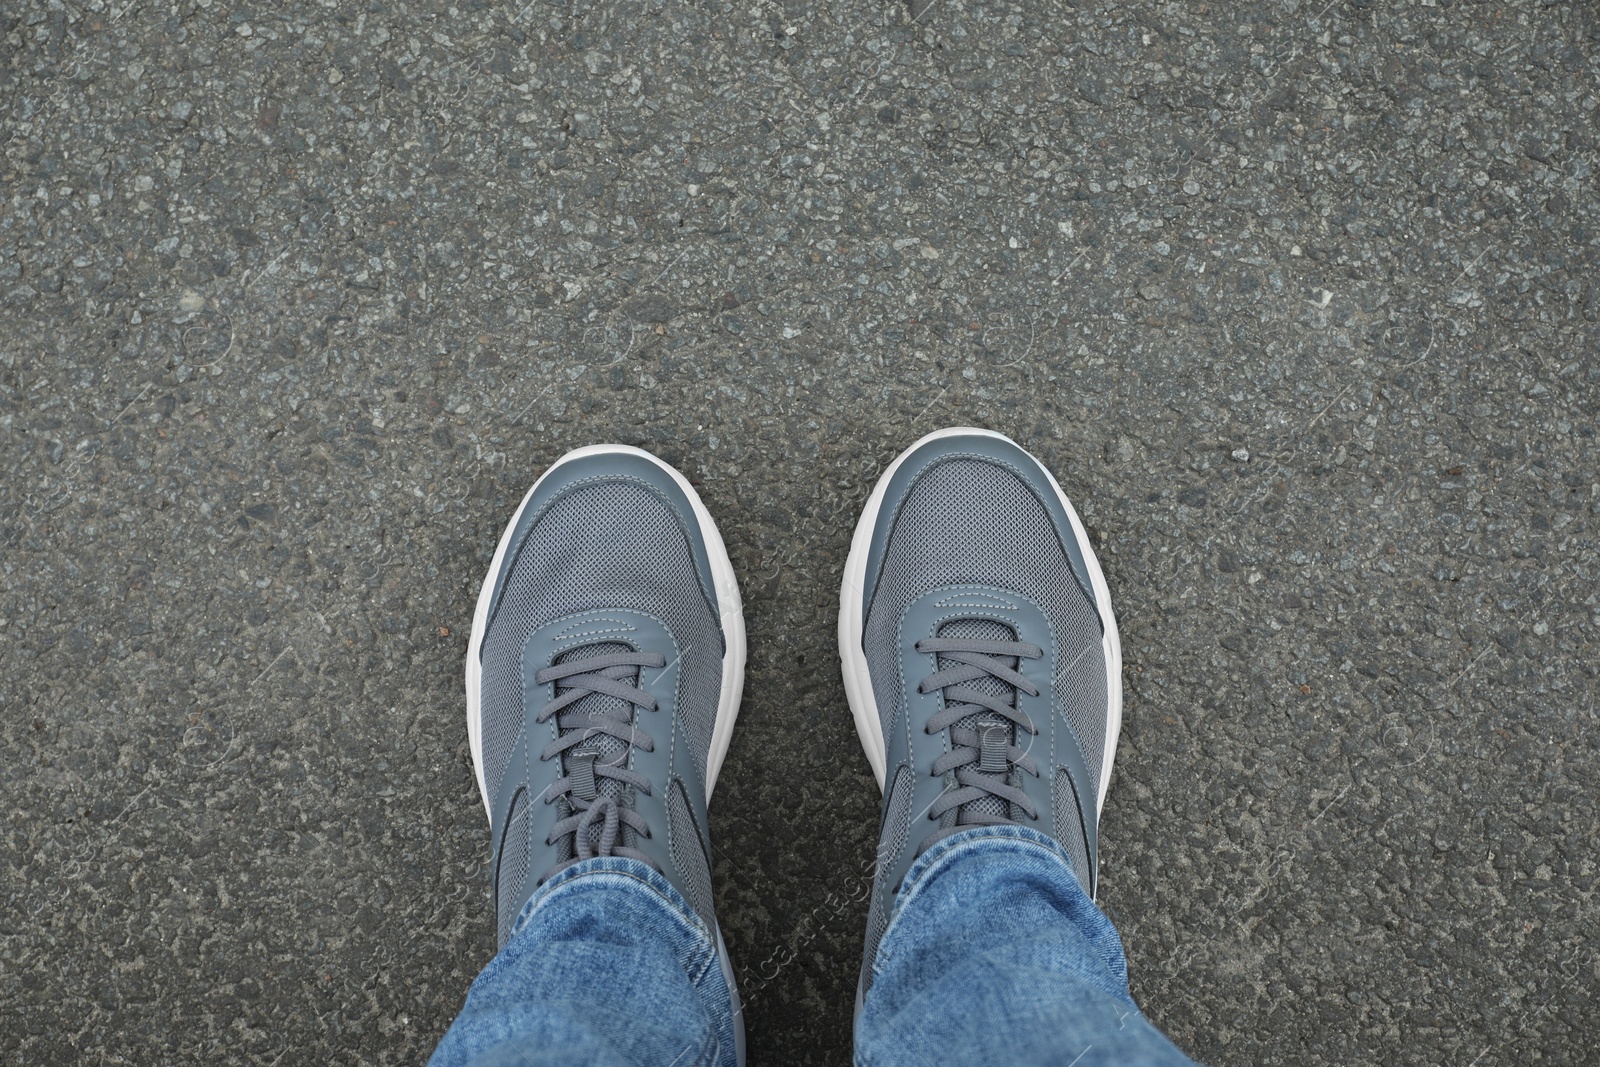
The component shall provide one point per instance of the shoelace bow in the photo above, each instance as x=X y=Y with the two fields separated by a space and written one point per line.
x=597 y=821
x=982 y=758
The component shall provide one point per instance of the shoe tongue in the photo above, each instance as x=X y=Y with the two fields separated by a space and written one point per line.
x=982 y=630
x=517 y=849
x=604 y=746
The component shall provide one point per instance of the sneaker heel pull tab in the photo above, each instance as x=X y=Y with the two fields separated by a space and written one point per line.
x=994 y=741
x=580 y=768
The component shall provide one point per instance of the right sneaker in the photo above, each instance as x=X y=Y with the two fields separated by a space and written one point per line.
x=980 y=657
x=604 y=674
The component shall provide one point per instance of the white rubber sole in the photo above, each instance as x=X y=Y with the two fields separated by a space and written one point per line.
x=853 y=659
x=729 y=606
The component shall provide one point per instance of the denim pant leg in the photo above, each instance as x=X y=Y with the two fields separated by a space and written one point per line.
x=607 y=965
x=995 y=954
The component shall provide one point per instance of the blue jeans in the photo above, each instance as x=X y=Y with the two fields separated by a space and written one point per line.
x=994 y=954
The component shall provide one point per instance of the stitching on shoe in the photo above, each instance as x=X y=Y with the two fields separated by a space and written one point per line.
x=995 y=603
x=618 y=626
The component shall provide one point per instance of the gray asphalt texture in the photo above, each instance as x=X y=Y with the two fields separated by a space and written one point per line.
x=1298 y=300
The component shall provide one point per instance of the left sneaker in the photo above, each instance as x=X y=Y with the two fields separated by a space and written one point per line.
x=603 y=678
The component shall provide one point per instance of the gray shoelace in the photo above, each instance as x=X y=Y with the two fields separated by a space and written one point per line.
x=983 y=727
x=599 y=813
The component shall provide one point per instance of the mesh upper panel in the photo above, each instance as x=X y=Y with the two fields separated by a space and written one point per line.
x=1069 y=831
x=897 y=830
x=613 y=544
x=688 y=851
x=969 y=521
x=513 y=866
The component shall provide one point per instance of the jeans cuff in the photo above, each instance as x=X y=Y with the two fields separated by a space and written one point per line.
x=975 y=838
x=623 y=871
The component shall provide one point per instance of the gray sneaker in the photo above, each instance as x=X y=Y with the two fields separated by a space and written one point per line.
x=980 y=656
x=603 y=678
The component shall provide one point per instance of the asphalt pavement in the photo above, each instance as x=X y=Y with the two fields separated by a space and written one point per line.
x=1300 y=302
